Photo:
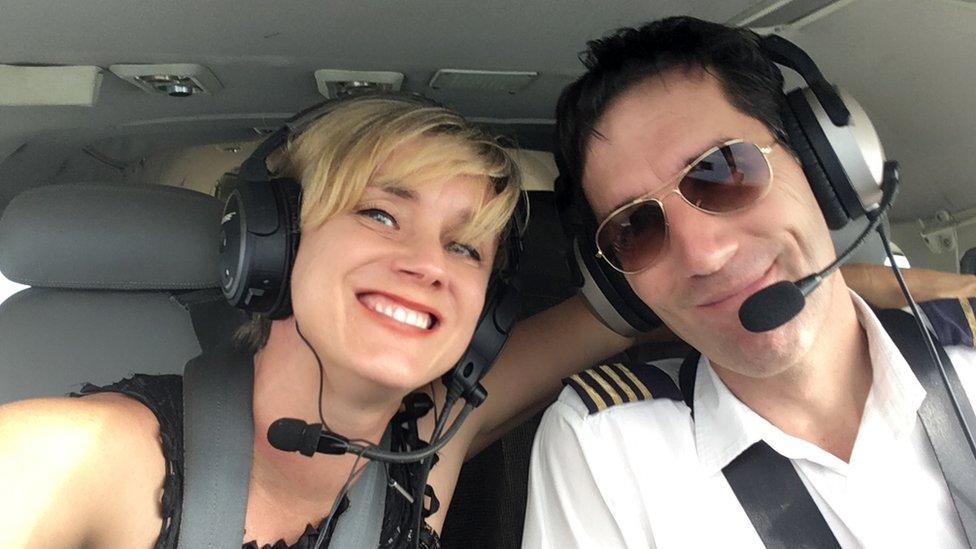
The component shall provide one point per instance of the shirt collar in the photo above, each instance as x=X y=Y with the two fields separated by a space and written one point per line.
x=725 y=427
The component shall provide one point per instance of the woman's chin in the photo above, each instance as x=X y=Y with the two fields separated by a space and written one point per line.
x=396 y=374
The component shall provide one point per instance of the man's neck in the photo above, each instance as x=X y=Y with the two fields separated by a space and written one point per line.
x=821 y=397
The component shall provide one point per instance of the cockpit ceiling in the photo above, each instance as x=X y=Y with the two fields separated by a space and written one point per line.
x=907 y=61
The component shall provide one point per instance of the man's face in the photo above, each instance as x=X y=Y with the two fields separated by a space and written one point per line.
x=711 y=263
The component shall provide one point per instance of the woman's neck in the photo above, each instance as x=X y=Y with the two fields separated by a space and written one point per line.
x=286 y=384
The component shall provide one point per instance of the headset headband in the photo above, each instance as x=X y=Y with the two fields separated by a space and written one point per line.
x=255 y=168
x=783 y=52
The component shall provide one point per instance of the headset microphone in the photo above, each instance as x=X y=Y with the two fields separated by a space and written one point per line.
x=779 y=303
x=295 y=435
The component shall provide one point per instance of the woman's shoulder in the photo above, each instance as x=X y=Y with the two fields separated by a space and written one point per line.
x=90 y=465
x=74 y=429
x=160 y=395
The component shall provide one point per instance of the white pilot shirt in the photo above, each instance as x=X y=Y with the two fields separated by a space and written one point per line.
x=645 y=474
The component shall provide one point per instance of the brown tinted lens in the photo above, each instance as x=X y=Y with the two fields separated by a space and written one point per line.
x=732 y=177
x=634 y=236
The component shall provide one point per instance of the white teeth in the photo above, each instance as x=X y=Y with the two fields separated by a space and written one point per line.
x=400 y=314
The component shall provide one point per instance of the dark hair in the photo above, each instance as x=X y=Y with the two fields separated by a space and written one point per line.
x=629 y=56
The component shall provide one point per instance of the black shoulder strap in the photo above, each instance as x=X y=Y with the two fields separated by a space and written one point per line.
x=217 y=428
x=611 y=384
x=938 y=417
x=779 y=506
x=686 y=379
x=768 y=488
x=953 y=320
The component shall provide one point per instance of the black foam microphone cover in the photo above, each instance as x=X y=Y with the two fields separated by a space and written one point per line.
x=771 y=307
x=294 y=435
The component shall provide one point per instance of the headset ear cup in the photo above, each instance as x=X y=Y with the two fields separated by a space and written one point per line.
x=609 y=295
x=502 y=305
x=289 y=197
x=606 y=292
x=259 y=240
x=830 y=205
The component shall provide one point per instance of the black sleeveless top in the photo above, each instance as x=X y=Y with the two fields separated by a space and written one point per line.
x=163 y=395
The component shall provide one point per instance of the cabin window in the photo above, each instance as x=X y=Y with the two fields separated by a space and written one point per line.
x=8 y=288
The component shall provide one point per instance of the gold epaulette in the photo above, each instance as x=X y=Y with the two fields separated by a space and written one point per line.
x=608 y=385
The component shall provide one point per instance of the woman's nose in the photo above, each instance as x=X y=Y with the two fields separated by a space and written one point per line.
x=423 y=262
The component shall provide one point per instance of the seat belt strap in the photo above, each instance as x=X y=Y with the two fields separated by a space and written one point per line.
x=776 y=501
x=362 y=523
x=768 y=488
x=217 y=428
x=938 y=416
x=218 y=441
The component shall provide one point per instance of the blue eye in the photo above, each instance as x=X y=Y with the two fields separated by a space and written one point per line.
x=464 y=250
x=379 y=216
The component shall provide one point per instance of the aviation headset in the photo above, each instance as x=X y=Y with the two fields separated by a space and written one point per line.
x=829 y=132
x=260 y=231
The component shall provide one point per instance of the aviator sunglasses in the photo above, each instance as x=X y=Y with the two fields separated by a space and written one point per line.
x=724 y=179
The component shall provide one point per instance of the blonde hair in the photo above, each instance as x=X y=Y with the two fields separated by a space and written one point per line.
x=339 y=155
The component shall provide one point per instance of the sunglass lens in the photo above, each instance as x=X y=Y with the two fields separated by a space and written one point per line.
x=731 y=177
x=634 y=236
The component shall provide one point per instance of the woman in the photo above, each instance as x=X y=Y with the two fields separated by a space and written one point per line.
x=401 y=214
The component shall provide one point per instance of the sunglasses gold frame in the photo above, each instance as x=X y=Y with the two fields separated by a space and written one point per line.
x=659 y=194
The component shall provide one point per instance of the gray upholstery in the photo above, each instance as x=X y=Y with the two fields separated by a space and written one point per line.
x=118 y=258
x=111 y=237
x=51 y=341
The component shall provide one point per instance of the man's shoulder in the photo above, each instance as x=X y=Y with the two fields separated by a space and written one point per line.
x=613 y=384
x=656 y=433
x=641 y=396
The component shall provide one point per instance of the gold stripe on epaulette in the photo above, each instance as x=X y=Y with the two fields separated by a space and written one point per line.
x=637 y=382
x=614 y=393
x=967 y=310
x=594 y=396
x=631 y=396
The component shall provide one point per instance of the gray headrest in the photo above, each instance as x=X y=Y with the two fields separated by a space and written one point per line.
x=111 y=238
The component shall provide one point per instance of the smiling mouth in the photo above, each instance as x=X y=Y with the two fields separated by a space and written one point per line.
x=398 y=311
x=743 y=291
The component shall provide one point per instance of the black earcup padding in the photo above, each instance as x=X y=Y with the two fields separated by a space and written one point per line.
x=289 y=197
x=259 y=239
x=830 y=205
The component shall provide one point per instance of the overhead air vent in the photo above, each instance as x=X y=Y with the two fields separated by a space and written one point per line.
x=495 y=81
x=174 y=80
x=335 y=83
x=783 y=13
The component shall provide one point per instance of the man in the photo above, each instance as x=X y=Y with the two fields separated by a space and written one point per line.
x=829 y=390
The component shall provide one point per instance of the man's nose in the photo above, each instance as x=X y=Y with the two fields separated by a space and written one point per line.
x=423 y=262
x=702 y=242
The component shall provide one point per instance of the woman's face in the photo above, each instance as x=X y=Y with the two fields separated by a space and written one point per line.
x=386 y=293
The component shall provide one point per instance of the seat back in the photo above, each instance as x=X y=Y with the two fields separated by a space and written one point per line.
x=108 y=268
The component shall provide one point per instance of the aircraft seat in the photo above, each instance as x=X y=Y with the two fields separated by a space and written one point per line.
x=107 y=268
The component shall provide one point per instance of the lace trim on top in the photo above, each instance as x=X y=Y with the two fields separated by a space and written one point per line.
x=163 y=395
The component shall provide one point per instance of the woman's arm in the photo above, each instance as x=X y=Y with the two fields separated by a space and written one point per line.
x=75 y=475
x=541 y=351
x=878 y=286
